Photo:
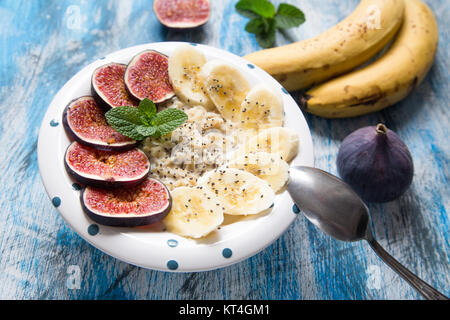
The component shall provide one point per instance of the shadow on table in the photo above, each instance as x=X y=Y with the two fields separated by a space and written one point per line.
x=194 y=35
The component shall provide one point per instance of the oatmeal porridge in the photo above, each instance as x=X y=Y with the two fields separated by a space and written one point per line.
x=198 y=146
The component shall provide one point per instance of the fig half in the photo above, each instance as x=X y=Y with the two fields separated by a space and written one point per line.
x=85 y=122
x=106 y=169
x=182 y=13
x=108 y=87
x=144 y=204
x=147 y=76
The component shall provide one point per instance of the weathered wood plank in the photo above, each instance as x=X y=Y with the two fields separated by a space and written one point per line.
x=44 y=44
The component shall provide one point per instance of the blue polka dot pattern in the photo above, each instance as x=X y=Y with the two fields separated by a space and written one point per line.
x=56 y=201
x=295 y=209
x=172 y=243
x=193 y=44
x=251 y=66
x=76 y=187
x=227 y=253
x=284 y=90
x=172 y=265
x=93 y=229
x=54 y=123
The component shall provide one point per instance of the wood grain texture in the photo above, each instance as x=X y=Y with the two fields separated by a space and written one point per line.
x=43 y=44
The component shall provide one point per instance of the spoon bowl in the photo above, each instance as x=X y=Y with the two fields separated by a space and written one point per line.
x=332 y=205
x=328 y=203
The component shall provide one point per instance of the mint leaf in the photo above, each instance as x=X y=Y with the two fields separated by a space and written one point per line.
x=146 y=130
x=258 y=25
x=248 y=14
x=141 y=122
x=255 y=26
x=168 y=120
x=264 y=21
x=125 y=114
x=145 y=120
x=289 y=16
x=266 y=39
x=125 y=120
x=147 y=108
x=262 y=8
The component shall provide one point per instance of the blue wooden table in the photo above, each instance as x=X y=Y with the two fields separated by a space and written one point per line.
x=44 y=43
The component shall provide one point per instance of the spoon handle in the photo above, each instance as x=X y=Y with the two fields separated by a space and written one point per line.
x=427 y=291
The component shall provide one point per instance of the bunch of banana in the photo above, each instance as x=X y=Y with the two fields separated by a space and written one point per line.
x=351 y=43
x=347 y=45
x=387 y=80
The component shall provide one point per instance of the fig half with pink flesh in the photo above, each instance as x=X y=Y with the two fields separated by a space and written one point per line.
x=147 y=76
x=106 y=169
x=85 y=122
x=108 y=87
x=182 y=13
x=144 y=204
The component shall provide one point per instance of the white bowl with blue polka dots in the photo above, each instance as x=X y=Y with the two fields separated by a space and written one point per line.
x=152 y=247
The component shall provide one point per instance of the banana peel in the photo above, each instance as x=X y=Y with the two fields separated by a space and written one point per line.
x=349 y=44
x=387 y=80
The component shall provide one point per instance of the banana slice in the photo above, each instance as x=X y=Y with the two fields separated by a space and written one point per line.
x=239 y=192
x=194 y=213
x=266 y=166
x=277 y=140
x=226 y=86
x=214 y=147
x=185 y=65
x=262 y=108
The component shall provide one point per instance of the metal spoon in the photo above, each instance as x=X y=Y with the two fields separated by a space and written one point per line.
x=331 y=205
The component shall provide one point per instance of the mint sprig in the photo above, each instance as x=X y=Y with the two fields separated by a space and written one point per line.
x=144 y=121
x=261 y=8
x=289 y=16
x=265 y=20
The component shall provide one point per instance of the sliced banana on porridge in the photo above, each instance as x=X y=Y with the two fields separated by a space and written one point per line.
x=194 y=213
x=226 y=86
x=277 y=140
x=231 y=155
x=269 y=167
x=185 y=64
x=262 y=108
x=239 y=191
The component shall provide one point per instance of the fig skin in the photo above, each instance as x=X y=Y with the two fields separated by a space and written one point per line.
x=168 y=95
x=187 y=20
x=99 y=146
x=103 y=103
x=376 y=163
x=130 y=221
x=82 y=177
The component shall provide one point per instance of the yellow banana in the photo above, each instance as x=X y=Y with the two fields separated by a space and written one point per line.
x=388 y=79
x=347 y=45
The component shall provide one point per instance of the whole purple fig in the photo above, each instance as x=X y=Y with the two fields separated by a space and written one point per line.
x=376 y=163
